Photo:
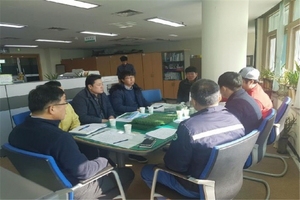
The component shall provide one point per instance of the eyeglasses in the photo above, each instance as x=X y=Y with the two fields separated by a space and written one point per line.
x=58 y=104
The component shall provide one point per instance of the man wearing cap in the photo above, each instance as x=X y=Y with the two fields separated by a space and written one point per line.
x=250 y=77
x=125 y=66
x=183 y=94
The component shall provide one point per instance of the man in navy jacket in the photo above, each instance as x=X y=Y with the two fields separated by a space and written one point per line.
x=239 y=103
x=40 y=133
x=91 y=104
x=126 y=96
x=196 y=137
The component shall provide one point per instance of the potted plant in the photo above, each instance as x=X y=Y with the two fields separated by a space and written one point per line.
x=285 y=134
x=267 y=75
x=51 y=76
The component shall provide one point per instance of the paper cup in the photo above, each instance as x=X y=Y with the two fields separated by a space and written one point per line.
x=179 y=114
x=150 y=109
x=142 y=109
x=112 y=122
x=127 y=128
x=186 y=112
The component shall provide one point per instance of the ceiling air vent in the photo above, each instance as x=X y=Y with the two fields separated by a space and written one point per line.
x=127 y=13
x=56 y=29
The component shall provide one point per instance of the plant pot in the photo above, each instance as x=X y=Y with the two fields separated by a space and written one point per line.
x=282 y=145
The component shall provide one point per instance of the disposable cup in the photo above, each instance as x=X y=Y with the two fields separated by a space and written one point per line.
x=179 y=114
x=142 y=109
x=127 y=128
x=186 y=112
x=150 y=109
x=112 y=122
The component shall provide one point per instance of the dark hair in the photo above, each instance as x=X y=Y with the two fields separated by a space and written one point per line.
x=190 y=69
x=43 y=95
x=90 y=79
x=123 y=58
x=231 y=80
x=125 y=73
x=53 y=83
x=205 y=92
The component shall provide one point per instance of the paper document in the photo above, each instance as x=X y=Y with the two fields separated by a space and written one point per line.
x=129 y=116
x=161 y=133
x=118 y=138
x=88 y=128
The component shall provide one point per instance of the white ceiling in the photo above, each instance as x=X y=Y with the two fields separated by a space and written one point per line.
x=40 y=15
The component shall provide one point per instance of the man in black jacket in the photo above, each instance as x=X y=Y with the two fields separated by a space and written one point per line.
x=183 y=94
x=40 y=133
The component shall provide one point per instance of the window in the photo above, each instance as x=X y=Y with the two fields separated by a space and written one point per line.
x=274 y=19
x=297 y=49
x=272 y=53
x=296 y=14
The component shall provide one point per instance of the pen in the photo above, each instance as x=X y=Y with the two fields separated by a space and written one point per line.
x=84 y=127
x=120 y=141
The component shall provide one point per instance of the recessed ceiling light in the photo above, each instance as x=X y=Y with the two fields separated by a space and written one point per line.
x=98 y=33
x=165 y=22
x=21 y=46
x=11 y=25
x=57 y=41
x=74 y=3
x=173 y=35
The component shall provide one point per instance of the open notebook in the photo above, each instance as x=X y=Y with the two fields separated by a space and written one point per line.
x=88 y=129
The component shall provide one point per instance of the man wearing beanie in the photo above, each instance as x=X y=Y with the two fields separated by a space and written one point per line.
x=250 y=77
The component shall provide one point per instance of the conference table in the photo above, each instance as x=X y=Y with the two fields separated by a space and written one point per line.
x=136 y=150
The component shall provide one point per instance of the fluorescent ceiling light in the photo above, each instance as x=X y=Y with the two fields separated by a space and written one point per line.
x=97 y=33
x=21 y=46
x=57 y=41
x=173 y=35
x=74 y=3
x=11 y=25
x=165 y=22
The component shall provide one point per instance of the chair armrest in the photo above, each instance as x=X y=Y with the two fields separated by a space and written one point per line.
x=161 y=167
x=98 y=175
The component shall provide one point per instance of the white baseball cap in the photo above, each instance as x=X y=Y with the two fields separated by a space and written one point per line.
x=250 y=73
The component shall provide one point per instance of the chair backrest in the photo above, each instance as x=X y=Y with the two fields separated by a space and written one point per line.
x=260 y=147
x=20 y=118
x=282 y=113
x=39 y=168
x=225 y=166
x=152 y=96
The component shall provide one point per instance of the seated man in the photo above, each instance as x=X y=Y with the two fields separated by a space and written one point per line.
x=40 y=133
x=196 y=136
x=250 y=77
x=91 y=104
x=183 y=94
x=126 y=96
x=239 y=102
x=71 y=120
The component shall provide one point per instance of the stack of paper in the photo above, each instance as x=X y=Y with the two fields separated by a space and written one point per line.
x=129 y=116
x=161 y=133
x=88 y=129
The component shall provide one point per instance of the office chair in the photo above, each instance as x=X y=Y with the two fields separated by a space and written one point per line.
x=222 y=177
x=260 y=146
x=278 y=126
x=153 y=96
x=43 y=170
x=20 y=118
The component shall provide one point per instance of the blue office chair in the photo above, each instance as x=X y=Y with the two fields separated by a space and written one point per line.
x=153 y=96
x=260 y=146
x=43 y=170
x=20 y=118
x=222 y=177
x=278 y=126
